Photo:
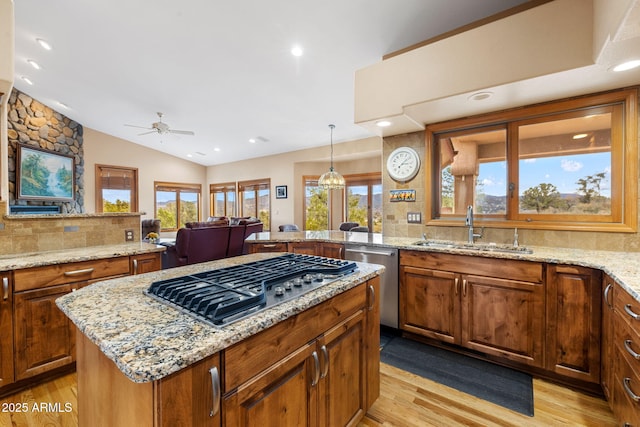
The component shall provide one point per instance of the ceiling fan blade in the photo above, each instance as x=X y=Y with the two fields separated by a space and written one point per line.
x=147 y=133
x=181 y=132
x=141 y=127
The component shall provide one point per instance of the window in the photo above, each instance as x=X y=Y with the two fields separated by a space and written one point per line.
x=176 y=204
x=569 y=164
x=223 y=199
x=255 y=200
x=116 y=189
x=316 y=208
x=364 y=201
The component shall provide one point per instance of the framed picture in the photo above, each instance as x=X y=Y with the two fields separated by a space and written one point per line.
x=44 y=175
x=281 y=191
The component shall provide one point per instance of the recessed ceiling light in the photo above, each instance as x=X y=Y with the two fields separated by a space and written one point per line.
x=189 y=155
x=383 y=123
x=627 y=65
x=252 y=140
x=296 y=51
x=216 y=149
x=480 y=96
x=27 y=80
x=34 y=64
x=580 y=135
x=63 y=105
x=45 y=45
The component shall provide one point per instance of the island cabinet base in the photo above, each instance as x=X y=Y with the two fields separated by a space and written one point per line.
x=106 y=397
x=317 y=368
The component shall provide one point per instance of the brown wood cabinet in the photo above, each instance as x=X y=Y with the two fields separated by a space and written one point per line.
x=326 y=369
x=492 y=306
x=267 y=247
x=318 y=368
x=145 y=263
x=607 y=337
x=6 y=329
x=626 y=355
x=573 y=315
x=37 y=337
x=326 y=249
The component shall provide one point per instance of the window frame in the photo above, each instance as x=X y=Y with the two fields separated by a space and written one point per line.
x=223 y=188
x=175 y=186
x=368 y=180
x=624 y=152
x=99 y=169
x=254 y=185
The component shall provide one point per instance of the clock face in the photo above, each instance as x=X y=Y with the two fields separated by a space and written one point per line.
x=403 y=164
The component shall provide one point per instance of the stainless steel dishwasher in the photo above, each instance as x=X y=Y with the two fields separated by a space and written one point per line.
x=389 y=280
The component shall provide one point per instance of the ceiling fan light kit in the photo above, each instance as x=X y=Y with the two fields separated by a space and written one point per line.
x=161 y=128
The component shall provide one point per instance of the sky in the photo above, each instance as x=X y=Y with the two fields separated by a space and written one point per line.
x=561 y=171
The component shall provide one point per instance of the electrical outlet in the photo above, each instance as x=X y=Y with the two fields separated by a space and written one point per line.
x=128 y=235
x=414 y=217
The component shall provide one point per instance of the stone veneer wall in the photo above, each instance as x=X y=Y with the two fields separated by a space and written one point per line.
x=30 y=122
x=21 y=234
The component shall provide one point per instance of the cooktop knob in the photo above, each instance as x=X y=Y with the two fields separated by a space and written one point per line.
x=279 y=290
x=297 y=282
x=318 y=277
x=288 y=285
x=307 y=278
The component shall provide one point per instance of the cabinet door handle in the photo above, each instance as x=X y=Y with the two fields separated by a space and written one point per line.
x=79 y=272
x=316 y=369
x=135 y=266
x=5 y=288
x=215 y=391
x=455 y=285
x=627 y=346
x=341 y=252
x=607 y=291
x=626 y=381
x=464 y=287
x=630 y=312
x=372 y=298
x=325 y=356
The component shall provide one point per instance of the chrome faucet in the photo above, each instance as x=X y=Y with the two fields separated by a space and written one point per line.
x=469 y=223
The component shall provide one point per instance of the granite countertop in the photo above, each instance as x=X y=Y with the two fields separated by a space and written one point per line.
x=39 y=259
x=149 y=340
x=623 y=267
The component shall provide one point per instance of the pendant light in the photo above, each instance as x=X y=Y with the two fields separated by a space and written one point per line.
x=332 y=179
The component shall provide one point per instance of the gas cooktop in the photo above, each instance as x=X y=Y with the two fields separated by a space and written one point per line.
x=220 y=297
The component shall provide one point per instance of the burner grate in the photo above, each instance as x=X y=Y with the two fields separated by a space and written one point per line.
x=227 y=294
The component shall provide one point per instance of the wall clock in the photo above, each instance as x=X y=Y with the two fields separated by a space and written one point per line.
x=403 y=164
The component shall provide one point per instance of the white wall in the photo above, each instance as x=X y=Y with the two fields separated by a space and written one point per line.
x=100 y=148
x=288 y=169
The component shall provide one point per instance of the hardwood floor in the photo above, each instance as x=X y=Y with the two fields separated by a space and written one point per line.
x=405 y=400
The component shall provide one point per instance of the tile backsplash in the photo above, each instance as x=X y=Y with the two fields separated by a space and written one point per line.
x=38 y=233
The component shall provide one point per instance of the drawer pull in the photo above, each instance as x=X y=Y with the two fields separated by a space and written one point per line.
x=316 y=369
x=627 y=346
x=625 y=382
x=630 y=312
x=215 y=390
x=607 y=291
x=273 y=245
x=5 y=288
x=79 y=272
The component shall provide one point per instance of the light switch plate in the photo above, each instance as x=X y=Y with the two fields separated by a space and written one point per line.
x=414 y=217
x=128 y=235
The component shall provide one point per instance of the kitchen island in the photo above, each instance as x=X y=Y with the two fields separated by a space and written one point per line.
x=142 y=362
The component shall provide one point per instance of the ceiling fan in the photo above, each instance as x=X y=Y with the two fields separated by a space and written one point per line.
x=161 y=128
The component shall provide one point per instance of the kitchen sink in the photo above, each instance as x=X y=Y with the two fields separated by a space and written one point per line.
x=479 y=247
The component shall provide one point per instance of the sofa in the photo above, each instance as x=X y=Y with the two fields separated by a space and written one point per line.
x=210 y=240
